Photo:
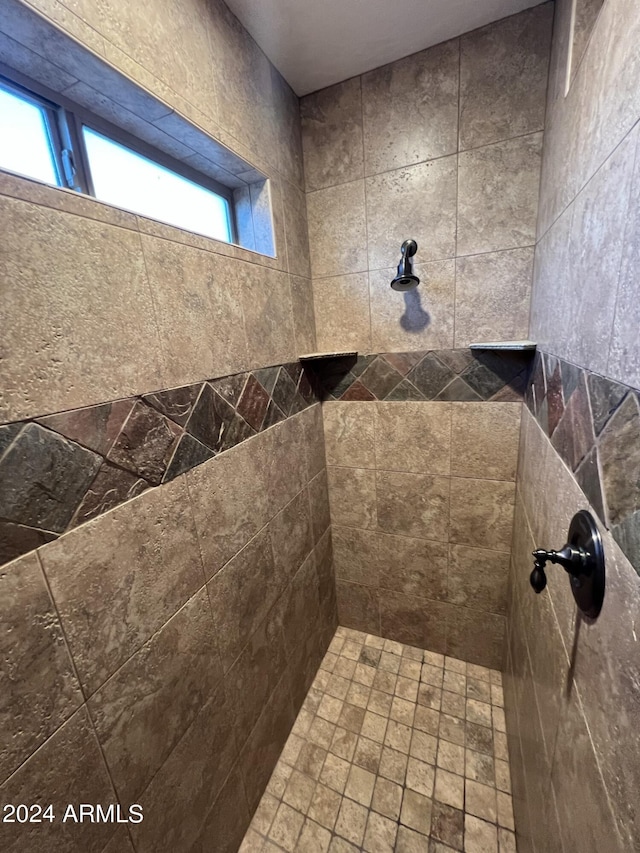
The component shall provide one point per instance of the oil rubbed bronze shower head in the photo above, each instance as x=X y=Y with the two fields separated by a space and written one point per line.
x=406 y=279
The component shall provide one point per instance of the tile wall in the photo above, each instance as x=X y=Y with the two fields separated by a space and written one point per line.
x=158 y=650
x=443 y=147
x=158 y=654
x=572 y=688
x=421 y=492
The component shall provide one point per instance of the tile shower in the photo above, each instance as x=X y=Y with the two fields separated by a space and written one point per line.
x=285 y=605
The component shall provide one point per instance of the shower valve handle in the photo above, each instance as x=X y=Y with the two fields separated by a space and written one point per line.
x=572 y=559
x=582 y=558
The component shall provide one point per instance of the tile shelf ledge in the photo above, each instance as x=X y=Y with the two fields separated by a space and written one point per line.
x=506 y=345
x=317 y=356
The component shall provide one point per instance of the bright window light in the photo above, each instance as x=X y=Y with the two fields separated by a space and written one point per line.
x=24 y=139
x=122 y=177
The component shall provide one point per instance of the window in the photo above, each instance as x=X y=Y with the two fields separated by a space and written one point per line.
x=70 y=148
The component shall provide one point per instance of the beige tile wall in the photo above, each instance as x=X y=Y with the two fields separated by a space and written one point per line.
x=422 y=498
x=159 y=654
x=443 y=147
x=572 y=688
x=99 y=303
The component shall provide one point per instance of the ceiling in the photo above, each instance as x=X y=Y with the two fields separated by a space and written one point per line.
x=315 y=43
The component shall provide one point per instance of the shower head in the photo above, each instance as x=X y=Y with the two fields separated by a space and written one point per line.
x=405 y=278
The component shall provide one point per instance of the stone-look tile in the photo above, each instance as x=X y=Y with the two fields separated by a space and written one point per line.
x=17 y=539
x=418 y=622
x=341 y=308
x=41 y=689
x=68 y=768
x=116 y=558
x=260 y=753
x=573 y=437
x=314 y=442
x=297 y=232
x=268 y=317
x=319 y=504
x=424 y=85
x=95 y=427
x=413 y=437
x=447 y=825
x=605 y=396
x=479 y=836
x=498 y=195
x=449 y=788
x=165 y=685
x=90 y=292
x=588 y=478
x=304 y=324
x=189 y=453
x=289 y=452
x=619 y=459
x=242 y=593
x=337 y=230
x=484 y=440
x=111 y=486
x=228 y=818
x=349 y=434
x=623 y=362
x=357 y=554
x=291 y=538
x=492 y=296
x=503 y=78
x=420 y=200
x=600 y=218
x=352 y=496
x=492 y=374
x=253 y=403
x=380 y=835
x=380 y=377
x=358 y=606
x=179 y=798
x=228 y=496
x=411 y=566
x=482 y=513
x=478 y=578
x=43 y=478
x=416 y=811
x=194 y=290
x=332 y=135
x=430 y=376
x=413 y=505
x=145 y=444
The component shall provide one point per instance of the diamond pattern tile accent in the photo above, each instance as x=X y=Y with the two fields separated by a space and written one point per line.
x=383 y=783
x=62 y=470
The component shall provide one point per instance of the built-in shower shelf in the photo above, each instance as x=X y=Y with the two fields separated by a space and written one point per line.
x=510 y=345
x=316 y=356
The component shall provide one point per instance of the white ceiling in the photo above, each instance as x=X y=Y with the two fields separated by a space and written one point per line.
x=315 y=43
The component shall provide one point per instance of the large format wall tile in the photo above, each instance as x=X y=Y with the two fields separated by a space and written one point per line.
x=349 y=434
x=493 y=292
x=332 y=135
x=497 y=195
x=415 y=201
x=195 y=290
x=413 y=437
x=337 y=229
x=503 y=78
x=341 y=307
x=143 y=710
x=40 y=689
x=117 y=558
x=95 y=293
x=352 y=496
x=484 y=440
x=67 y=769
x=413 y=504
x=419 y=319
x=410 y=109
x=482 y=513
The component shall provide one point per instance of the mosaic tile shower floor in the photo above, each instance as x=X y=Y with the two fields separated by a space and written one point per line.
x=395 y=749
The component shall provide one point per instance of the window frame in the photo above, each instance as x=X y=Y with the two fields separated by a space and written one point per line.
x=64 y=122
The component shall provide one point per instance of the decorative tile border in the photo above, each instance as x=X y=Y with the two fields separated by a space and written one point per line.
x=594 y=424
x=461 y=375
x=57 y=472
